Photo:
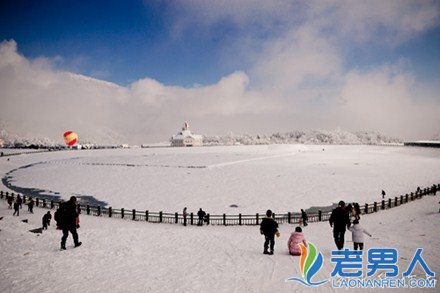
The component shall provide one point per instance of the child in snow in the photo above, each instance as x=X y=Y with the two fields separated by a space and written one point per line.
x=295 y=239
x=46 y=220
x=358 y=235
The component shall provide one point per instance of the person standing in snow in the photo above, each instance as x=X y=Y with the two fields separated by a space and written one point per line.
x=16 y=208
x=295 y=239
x=434 y=189
x=19 y=200
x=31 y=205
x=339 y=219
x=46 y=220
x=304 y=217
x=358 y=235
x=383 y=194
x=10 y=200
x=201 y=213
x=185 y=215
x=69 y=222
x=269 y=228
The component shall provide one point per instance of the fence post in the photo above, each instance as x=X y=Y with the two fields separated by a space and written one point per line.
x=224 y=219
x=191 y=218
x=406 y=197
x=207 y=219
x=88 y=210
x=7 y=193
x=412 y=196
x=44 y=202
x=375 y=206
x=239 y=219
x=383 y=204
x=176 y=217
x=160 y=217
x=99 y=211
x=395 y=201
x=289 y=216
x=122 y=213
x=366 y=208
x=110 y=212
x=37 y=202
x=1 y=193
x=51 y=204
x=133 y=216
x=319 y=215
x=389 y=203
x=257 y=217
x=401 y=199
x=146 y=215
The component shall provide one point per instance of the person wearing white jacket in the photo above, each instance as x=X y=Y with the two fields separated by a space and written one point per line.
x=358 y=235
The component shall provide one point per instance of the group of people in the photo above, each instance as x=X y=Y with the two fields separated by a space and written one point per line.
x=17 y=204
x=66 y=216
x=201 y=214
x=342 y=218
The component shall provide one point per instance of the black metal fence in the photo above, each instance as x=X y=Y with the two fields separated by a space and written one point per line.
x=226 y=220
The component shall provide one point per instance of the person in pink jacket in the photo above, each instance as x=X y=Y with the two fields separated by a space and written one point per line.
x=295 y=239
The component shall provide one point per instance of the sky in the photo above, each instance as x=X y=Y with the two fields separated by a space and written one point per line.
x=133 y=71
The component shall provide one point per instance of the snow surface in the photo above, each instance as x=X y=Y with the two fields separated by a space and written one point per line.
x=126 y=256
x=281 y=177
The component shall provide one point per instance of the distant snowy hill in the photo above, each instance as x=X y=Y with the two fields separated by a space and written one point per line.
x=12 y=140
x=294 y=137
x=304 y=137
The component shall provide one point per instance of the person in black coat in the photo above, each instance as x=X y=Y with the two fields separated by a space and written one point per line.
x=69 y=222
x=16 y=208
x=268 y=228
x=46 y=220
x=304 y=217
x=201 y=213
x=339 y=220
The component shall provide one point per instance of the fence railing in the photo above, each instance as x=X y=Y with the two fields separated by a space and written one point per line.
x=225 y=220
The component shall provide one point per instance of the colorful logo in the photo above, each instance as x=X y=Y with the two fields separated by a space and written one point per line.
x=310 y=263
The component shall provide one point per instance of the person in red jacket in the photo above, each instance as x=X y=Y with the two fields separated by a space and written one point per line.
x=295 y=239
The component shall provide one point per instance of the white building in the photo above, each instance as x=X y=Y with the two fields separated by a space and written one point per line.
x=185 y=138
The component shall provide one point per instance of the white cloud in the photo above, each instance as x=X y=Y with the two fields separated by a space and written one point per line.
x=296 y=78
x=38 y=100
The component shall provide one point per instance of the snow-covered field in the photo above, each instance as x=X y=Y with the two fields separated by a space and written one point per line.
x=125 y=256
x=281 y=177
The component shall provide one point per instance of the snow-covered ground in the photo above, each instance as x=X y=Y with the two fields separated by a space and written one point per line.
x=125 y=256
x=281 y=177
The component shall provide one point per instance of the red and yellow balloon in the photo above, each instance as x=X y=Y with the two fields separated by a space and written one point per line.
x=70 y=138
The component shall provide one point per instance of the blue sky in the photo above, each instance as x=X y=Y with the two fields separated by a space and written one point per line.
x=120 y=41
x=226 y=65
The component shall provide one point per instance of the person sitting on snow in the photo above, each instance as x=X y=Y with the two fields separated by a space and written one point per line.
x=295 y=239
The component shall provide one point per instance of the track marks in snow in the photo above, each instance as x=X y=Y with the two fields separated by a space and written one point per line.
x=251 y=160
